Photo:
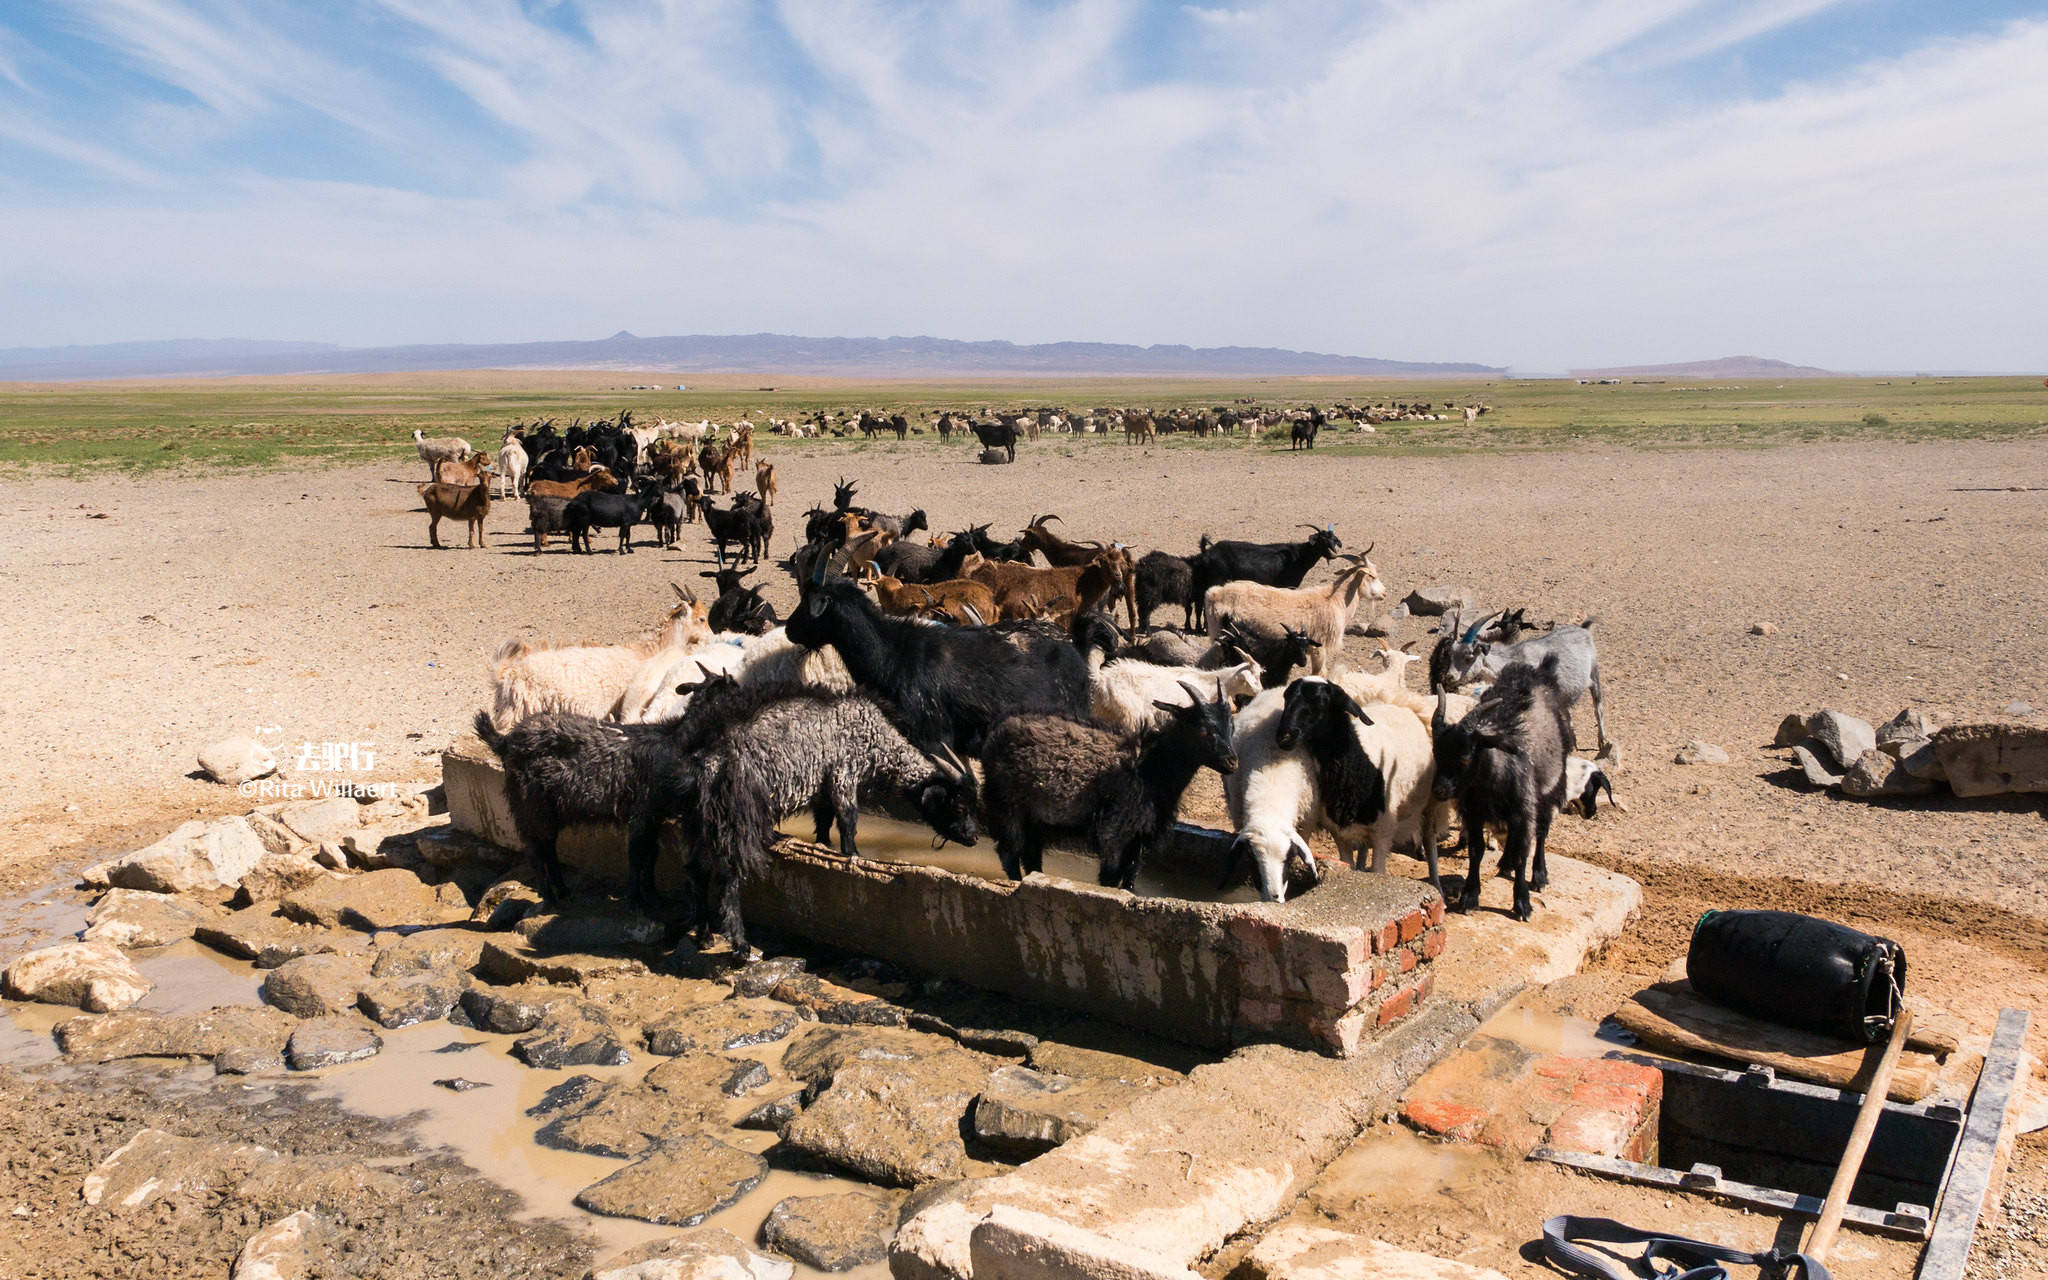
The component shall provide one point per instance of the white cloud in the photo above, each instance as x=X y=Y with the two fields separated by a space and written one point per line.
x=1444 y=181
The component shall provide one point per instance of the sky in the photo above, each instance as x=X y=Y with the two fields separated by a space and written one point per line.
x=1542 y=184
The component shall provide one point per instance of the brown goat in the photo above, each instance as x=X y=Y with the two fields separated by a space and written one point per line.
x=741 y=445
x=1055 y=549
x=596 y=480
x=471 y=468
x=469 y=503
x=717 y=467
x=764 y=482
x=1023 y=592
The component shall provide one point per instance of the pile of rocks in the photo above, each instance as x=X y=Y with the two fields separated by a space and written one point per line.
x=1909 y=756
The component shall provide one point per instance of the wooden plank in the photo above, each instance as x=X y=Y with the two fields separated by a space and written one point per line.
x=1671 y=1016
x=1935 y=1031
x=1955 y=1222
x=1904 y=1227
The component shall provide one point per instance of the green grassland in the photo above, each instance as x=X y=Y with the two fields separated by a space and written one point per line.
x=202 y=424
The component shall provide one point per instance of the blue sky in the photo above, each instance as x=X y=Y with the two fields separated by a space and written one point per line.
x=1858 y=184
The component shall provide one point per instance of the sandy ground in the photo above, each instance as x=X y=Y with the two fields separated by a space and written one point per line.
x=151 y=616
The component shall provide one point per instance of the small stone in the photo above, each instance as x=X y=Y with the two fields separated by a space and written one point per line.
x=1698 y=752
x=288 y=1249
x=896 y=1123
x=830 y=1233
x=1434 y=602
x=316 y=986
x=597 y=931
x=773 y=1115
x=1816 y=771
x=456 y=1084
x=1921 y=760
x=233 y=761
x=735 y=1024
x=323 y=821
x=2018 y=709
x=571 y=1094
x=511 y=1011
x=266 y=940
x=1907 y=726
x=1763 y=628
x=382 y=850
x=701 y=1253
x=93 y=976
x=761 y=976
x=1791 y=731
x=506 y=903
x=145 y=1033
x=1876 y=774
x=410 y=1000
x=247 y=1060
x=1023 y=1112
x=450 y=950
x=329 y=1042
x=1842 y=738
x=680 y=1184
x=198 y=857
x=511 y=960
x=393 y=899
x=697 y=1074
x=276 y=875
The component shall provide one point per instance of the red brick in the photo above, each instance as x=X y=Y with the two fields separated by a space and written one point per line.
x=1593 y=1131
x=1516 y=1133
x=1379 y=976
x=1435 y=912
x=1639 y=1076
x=1558 y=1067
x=1412 y=925
x=1388 y=938
x=1619 y=1099
x=1406 y=960
x=1396 y=1006
x=1441 y=1115
x=1433 y=943
x=1424 y=987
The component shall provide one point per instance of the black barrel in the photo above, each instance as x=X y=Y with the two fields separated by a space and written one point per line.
x=1797 y=971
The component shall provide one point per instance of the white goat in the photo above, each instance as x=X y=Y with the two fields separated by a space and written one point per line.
x=438 y=450
x=1121 y=694
x=771 y=658
x=585 y=679
x=1391 y=685
x=1323 y=612
x=512 y=463
x=1270 y=797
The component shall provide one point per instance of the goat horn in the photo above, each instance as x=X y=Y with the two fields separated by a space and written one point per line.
x=1443 y=712
x=1472 y=632
x=1195 y=695
x=1368 y=550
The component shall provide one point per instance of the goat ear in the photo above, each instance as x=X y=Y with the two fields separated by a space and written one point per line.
x=1175 y=707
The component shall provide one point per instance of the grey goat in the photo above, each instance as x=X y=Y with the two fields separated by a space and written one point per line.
x=1476 y=661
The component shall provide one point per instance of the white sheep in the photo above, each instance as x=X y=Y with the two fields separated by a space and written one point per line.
x=586 y=679
x=438 y=450
x=512 y=463
x=1121 y=694
x=1324 y=613
x=771 y=658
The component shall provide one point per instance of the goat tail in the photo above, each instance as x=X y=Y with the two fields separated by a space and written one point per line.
x=509 y=651
x=1591 y=618
x=1205 y=544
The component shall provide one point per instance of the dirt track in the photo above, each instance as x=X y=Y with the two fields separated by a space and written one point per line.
x=309 y=601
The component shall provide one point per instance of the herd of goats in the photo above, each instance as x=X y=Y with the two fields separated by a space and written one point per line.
x=909 y=659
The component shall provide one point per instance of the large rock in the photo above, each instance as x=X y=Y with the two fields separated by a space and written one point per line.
x=700 y=1075
x=1097 y=1064
x=623 y=1122
x=701 y=1253
x=896 y=1123
x=818 y=1053
x=733 y=1024
x=1025 y=1113
x=136 y=918
x=1993 y=759
x=154 y=1164
x=831 y=1233
x=512 y=1011
x=679 y=1184
x=1698 y=752
x=267 y=940
x=329 y=1042
x=322 y=821
x=316 y=986
x=237 y=760
x=289 y=1249
x=198 y=857
x=589 y=931
x=259 y=1033
x=640 y=1000
x=429 y=951
x=1876 y=775
x=1843 y=738
x=573 y=1033
x=411 y=999
x=93 y=976
x=1435 y=602
x=278 y=874
x=393 y=899
x=515 y=960
x=1907 y=726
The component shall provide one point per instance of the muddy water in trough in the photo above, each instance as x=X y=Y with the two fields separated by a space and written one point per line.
x=486 y=1128
x=883 y=839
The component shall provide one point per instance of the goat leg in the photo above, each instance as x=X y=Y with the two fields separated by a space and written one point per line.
x=1519 y=838
x=1539 y=880
x=643 y=846
x=821 y=819
x=1475 y=849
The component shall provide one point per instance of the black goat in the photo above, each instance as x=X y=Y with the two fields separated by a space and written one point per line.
x=666 y=512
x=1047 y=775
x=740 y=524
x=621 y=511
x=739 y=606
x=1505 y=763
x=997 y=435
x=810 y=750
x=545 y=516
x=1277 y=656
x=1166 y=579
x=950 y=685
x=1015 y=551
x=1276 y=564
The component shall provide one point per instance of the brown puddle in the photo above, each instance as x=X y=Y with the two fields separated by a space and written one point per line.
x=884 y=839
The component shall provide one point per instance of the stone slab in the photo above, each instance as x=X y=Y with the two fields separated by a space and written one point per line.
x=1300 y=1252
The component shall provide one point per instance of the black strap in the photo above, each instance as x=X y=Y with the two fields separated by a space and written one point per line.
x=1689 y=1259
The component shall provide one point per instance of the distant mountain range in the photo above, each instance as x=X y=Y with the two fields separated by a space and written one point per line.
x=700 y=353
x=1726 y=367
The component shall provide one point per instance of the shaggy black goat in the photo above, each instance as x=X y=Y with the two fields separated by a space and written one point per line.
x=813 y=750
x=950 y=685
x=739 y=606
x=545 y=516
x=1277 y=656
x=1166 y=579
x=1505 y=763
x=1047 y=775
x=1276 y=564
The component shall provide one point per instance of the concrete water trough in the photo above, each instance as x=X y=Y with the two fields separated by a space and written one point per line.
x=1329 y=970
